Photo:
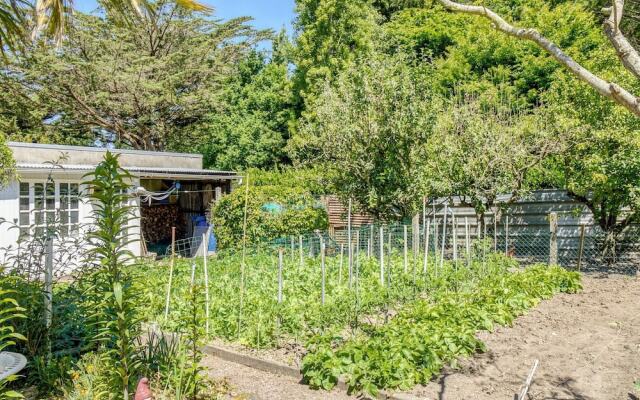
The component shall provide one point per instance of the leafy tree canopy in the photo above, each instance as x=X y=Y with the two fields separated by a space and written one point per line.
x=139 y=84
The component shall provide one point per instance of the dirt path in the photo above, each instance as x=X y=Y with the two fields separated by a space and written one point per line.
x=588 y=346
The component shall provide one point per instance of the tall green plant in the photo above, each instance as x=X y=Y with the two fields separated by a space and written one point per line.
x=9 y=310
x=114 y=300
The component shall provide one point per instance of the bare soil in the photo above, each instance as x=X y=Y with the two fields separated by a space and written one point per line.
x=587 y=344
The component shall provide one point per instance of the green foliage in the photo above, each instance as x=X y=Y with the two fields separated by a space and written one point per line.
x=301 y=210
x=331 y=34
x=250 y=129
x=7 y=164
x=113 y=298
x=366 y=132
x=485 y=145
x=428 y=334
x=132 y=85
x=9 y=311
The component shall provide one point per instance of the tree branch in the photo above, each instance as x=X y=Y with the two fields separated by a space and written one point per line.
x=607 y=89
x=627 y=54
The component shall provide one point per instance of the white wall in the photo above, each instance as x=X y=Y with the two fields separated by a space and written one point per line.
x=10 y=208
x=8 y=211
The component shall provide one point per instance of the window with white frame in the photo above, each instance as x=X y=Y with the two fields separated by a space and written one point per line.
x=48 y=204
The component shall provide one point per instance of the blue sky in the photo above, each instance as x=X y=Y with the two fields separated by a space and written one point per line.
x=266 y=13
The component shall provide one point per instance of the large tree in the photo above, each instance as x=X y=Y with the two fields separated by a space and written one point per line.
x=628 y=55
x=485 y=145
x=367 y=131
x=139 y=84
x=252 y=128
x=329 y=35
x=21 y=20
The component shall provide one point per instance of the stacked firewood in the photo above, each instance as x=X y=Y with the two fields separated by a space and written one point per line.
x=157 y=221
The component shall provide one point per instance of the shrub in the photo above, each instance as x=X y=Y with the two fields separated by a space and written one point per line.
x=279 y=204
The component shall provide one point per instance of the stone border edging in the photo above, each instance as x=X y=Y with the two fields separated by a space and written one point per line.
x=278 y=368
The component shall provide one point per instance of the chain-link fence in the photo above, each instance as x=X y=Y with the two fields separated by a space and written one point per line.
x=584 y=247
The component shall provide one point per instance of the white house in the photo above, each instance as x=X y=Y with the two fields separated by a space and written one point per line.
x=169 y=190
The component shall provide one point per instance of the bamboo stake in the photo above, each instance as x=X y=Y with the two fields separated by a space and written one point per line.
x=371 y=235
x=382 y=256
x=280 y=283
x=350 y=255
x=301 y=251
x=506 y=236
x=390 y=263
x=495 y=233
x=48 y=282
x=341 y=263
x=322 y=264
x=426 y=247
x=454 y=234
x=467 y=240
x=527 y=383
x=424 y=220
x=206 y=282
x=293 y=249
x=405 y=249
x=171 y=265
x=244 y=255
x=444 y=236
x=435 y=240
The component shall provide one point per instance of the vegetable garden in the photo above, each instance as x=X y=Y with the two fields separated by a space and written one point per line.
x=387 y=322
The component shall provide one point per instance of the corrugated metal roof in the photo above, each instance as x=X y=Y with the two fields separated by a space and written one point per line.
x=138 y=171
x=62 y=147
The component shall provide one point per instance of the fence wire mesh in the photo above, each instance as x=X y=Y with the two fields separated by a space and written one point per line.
x=585 y=248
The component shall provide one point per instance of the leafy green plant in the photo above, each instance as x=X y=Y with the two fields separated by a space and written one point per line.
x=275 y=208
x=430 y=333
x=9 y=310
x=114 y=302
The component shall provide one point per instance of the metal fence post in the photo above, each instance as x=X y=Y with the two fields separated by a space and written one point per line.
x=553 y=238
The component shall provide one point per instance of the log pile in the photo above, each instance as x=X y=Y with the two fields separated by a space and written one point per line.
x=157 y=221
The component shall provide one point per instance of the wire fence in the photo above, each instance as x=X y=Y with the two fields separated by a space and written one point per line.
x=585 y=248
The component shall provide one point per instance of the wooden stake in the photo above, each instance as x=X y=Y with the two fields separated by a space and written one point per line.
x=171 y=265
x=581 y=249
x=553 y=238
